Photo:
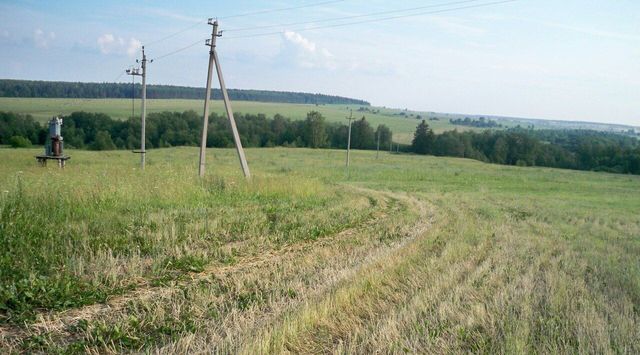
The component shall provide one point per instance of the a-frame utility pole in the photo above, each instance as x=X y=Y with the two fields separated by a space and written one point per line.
x=350 y=118
x=143 y=74
x=213 y=60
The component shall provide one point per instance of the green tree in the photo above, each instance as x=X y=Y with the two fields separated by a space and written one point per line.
x=449 y=144
x=362 y=135
x=500 y=151
x=423 y=139
x=315 y=130
x=385 y=135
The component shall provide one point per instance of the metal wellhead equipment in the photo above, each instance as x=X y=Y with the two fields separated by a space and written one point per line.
x=54 y=145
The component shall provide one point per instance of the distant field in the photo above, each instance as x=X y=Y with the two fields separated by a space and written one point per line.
x=411 y=254
x=43 y=109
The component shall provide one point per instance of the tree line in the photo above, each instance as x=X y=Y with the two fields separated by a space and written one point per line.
x=568 y=149
x=480 y=123
x=97 y=131
x=59 y=89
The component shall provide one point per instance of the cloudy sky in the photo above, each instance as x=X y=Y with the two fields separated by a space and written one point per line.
x=570 y=59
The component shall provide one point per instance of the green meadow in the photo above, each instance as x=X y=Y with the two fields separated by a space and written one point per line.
x=404 y=254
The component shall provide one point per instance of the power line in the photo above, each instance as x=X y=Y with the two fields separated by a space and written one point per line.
x=388 y=18
x=119 y=76
x=281 y=9
x=240 y=15
x=348 y=17
x=200 y=41
x=176 y=33
x=376 y=19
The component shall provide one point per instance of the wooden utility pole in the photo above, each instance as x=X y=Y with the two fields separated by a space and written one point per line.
x=350 y=118
x=137 y=72
x=143 y=135
x=213 y=60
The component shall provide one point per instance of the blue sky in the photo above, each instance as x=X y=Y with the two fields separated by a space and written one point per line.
x=570 y=59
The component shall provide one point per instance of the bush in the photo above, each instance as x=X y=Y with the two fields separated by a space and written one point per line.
x=103 y=141
x=19 y=142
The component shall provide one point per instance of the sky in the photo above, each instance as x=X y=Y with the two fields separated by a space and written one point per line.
x=566 y=60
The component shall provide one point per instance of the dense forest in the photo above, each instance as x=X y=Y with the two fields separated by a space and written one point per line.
x=568 y=149
x=98 y=131
x=59 y=89
x=481 y=122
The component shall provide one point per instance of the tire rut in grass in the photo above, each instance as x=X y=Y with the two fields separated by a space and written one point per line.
x=60 y=323
x=322 y=325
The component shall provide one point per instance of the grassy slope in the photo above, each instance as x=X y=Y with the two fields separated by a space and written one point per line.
x=43 y=109
x=411 y=254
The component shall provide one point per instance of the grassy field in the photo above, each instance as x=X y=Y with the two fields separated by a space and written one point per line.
x=409 y=254
x=44 y=109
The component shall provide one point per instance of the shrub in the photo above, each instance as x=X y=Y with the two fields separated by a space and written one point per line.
x=19 y=142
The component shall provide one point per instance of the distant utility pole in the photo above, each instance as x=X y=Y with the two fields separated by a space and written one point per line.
x=213 y=60
x=378 y=148
x=350 y=118
x=143 y=73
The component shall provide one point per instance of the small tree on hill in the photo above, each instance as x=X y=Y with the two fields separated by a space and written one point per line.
x=385 y=135
x=423 y=139
x=362 y=136
x=315 y=130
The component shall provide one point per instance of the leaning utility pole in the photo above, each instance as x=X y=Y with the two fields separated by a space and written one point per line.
x=349 y=142
x=143 y=74
x=213 y=60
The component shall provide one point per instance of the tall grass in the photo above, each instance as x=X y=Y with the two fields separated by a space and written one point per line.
x=76 y=236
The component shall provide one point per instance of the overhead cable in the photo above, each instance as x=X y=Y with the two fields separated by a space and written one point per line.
x=376 y=19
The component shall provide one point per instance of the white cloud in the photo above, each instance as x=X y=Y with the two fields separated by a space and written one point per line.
x=306 y=53
x=134 y=46
x=110 y=44
x=297 y=39
x=42 y=39
x=106 y=43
